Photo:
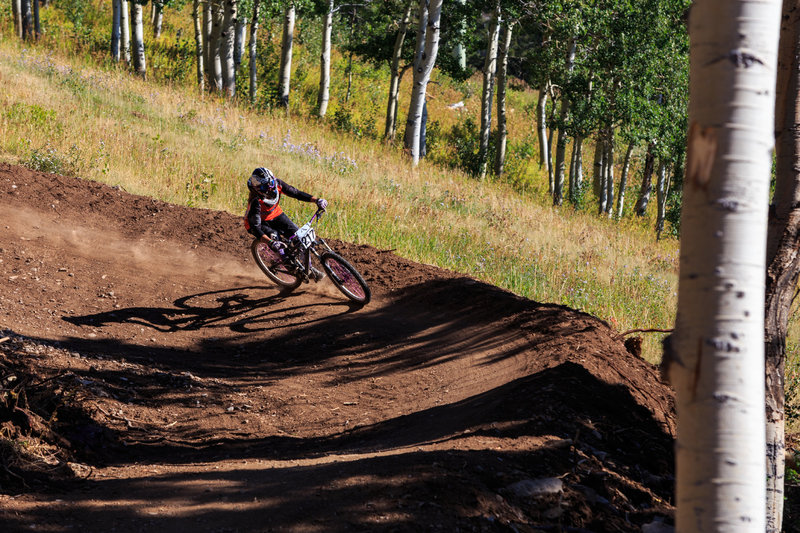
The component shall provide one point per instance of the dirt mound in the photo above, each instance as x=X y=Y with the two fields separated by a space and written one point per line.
x=177 y=389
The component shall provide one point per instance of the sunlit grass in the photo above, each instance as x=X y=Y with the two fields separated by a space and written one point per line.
x=168 y=143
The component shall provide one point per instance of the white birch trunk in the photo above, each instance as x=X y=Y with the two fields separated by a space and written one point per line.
x=238 y=41
x=139 y=64
x=390 y=130
x=37 y=30
x=27 y=19
x=430 y=11
x=576 y=169
x=125 y=26
x=215 y=44
x=561 y=140
x=16 y=10
x=600 y=172
x=419 y=50
x=158 y=19
x=783 y=242
x=459 y=50
x=609 y=168
x=489 y=69
x=715 y=356
x=116 y=7
x=541 y=127
x=285 y=74
x=199 y=39
x=254 y=51
x=662 y=189
x=647 y=182
x=502 y=82
x=623 y=180
x=227 y=45
x=324 y=94
x=208 y=31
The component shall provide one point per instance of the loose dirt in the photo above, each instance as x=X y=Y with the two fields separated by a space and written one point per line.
x=162 y=383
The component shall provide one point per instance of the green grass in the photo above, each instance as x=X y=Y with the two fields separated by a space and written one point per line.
x=168 y=143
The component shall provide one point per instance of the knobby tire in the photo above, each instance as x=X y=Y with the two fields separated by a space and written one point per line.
x=346 y=278
x=270 y=264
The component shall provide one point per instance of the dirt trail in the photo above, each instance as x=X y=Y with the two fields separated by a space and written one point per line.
x=195 y=396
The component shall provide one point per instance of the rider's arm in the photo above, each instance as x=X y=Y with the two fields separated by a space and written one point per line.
x=294 y=192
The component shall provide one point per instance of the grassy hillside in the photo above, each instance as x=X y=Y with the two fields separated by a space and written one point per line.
x=64 y=116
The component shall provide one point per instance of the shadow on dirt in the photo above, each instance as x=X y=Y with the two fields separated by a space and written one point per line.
x=424 y=325
x=568 y=402
x=612 y=457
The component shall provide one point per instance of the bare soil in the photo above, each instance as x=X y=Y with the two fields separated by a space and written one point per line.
x=154 y=380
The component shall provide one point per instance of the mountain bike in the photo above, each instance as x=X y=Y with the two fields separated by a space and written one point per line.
x=294 y=266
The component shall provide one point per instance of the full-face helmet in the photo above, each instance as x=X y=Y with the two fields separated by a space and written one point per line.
x=263 y=183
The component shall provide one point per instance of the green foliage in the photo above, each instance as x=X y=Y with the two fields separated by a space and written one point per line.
x=792 y=477
x=48 y=159
x=463 y=141
x=200 y=189
x=33 y=116
x=792 y=386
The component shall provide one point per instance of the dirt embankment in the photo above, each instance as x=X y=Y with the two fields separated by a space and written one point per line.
x=162 y=383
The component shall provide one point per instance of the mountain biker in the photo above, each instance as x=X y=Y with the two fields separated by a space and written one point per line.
x=264 y=217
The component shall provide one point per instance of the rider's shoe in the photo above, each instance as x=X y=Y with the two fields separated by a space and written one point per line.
x=316 y=274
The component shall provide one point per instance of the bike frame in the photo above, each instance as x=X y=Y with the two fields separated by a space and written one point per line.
x=306 y=251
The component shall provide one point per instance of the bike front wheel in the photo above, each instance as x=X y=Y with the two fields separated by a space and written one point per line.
x=346 y=277
x=272 y=265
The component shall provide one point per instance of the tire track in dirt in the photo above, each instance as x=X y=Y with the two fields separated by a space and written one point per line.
x=207 y=399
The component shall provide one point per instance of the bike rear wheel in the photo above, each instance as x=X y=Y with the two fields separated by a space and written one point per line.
x=346 y=278
x=271 y=264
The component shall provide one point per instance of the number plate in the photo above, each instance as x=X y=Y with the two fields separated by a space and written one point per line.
x=306 y=236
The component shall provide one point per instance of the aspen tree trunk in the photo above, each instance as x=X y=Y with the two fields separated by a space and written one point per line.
x=208 y=30
x=254 y=50
x=541 y=127
x=125 y=23
x=116 y=17
x=139 y=64
x=489 y=69
x=623 y=180
x=27 y=19
x=390 y=131
x=647 y=182
x=215 y=45
x=238 y=41
x=325 y=63
x=597 y=165
x=502 y=82
x=158 y=18
x=609 y=168
x=430 y=13
x=551 y=121
x=715 y=357
x=561 y=140
x=419 y=50
x=16 y=12
x=459 y=50
x=199 y=39
x=600 y=189
x=37 y=30
x=227 y=39
x=285 y=74
x=783 y=259
x=576 y=170
x=662 y=191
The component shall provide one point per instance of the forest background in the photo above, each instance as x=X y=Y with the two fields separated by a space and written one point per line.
x=606 y=79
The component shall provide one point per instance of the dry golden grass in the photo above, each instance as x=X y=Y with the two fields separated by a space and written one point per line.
x=172 y=144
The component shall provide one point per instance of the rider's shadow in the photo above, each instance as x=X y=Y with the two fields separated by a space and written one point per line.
x=234 y=309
